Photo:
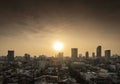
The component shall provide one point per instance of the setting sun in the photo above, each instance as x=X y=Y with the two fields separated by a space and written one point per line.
x=58 y=46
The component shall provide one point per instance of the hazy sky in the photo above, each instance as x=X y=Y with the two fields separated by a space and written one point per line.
x=32 y=26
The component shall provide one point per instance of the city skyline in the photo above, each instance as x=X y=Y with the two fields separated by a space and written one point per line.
x=32 y=26
x=74 y=53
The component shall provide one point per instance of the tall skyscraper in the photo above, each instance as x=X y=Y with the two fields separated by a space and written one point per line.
x=107 y=53
x=87 y=54
x=99 y=51
x=74 y=53
x=10 y=55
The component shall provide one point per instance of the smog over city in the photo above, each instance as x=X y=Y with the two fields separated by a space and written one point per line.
x=60 y=41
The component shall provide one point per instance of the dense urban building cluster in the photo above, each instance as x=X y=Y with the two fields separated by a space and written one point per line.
x=60 y=69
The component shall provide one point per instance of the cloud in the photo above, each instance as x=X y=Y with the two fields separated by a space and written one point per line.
x=28 y=17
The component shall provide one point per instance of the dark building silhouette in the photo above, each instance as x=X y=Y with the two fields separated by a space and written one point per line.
x=87 y=54
x=74 y=53
x=107 y=53
x=60 y=57
x=80 y=55
x=27 y=57
x=99 y=51
x=93 y=54
x=10 y=55
x=60 y=54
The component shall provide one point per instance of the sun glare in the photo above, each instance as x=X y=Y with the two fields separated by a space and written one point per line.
x=58 y=46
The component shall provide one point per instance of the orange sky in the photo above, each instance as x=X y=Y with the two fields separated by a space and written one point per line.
x=32 y=26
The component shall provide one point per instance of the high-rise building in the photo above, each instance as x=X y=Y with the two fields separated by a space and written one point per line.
x=107 y=53
x=60 y=57
x=80 y=55
x=93 y=54
x=87 y=54
x=99 y=51
x=10 y=55
x=74 y=53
